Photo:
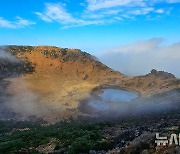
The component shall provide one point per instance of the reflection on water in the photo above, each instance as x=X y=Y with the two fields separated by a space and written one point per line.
x=111 y=99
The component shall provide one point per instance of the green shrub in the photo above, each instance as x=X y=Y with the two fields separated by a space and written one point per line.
x=63 y=52
x=79 y=138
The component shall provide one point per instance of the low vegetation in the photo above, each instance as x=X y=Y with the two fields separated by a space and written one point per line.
x=26 y=137
x=14 y=50
x=128 y=135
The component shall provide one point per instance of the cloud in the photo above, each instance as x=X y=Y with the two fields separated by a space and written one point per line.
x=160 y=11
x=93 y=12
x=140 y=57
x=127 y=8
x=5 y=55
x=19 y=23
x=140 y=46
x=95 y=5
x=56 y=12
x=173 y=1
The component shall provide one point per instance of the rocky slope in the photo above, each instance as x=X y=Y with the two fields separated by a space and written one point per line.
x=56 y=79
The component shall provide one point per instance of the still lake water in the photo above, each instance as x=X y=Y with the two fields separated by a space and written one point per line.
x=111 y=99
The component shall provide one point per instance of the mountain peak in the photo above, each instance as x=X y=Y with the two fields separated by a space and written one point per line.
x=162 y=74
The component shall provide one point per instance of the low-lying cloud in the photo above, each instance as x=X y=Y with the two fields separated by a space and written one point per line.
x=19 y=102
x=19 y=99
x=140 y=57
x=6 y=55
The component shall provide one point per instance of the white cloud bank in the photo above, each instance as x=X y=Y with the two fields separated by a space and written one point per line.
x=18 y=23
x=140 y=57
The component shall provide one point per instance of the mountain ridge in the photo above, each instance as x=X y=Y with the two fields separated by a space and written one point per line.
x=59 y=78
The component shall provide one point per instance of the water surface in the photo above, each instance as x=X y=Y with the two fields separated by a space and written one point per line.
x=111 y=99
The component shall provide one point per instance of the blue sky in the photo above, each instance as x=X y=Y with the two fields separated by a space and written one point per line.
x=95 y=26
